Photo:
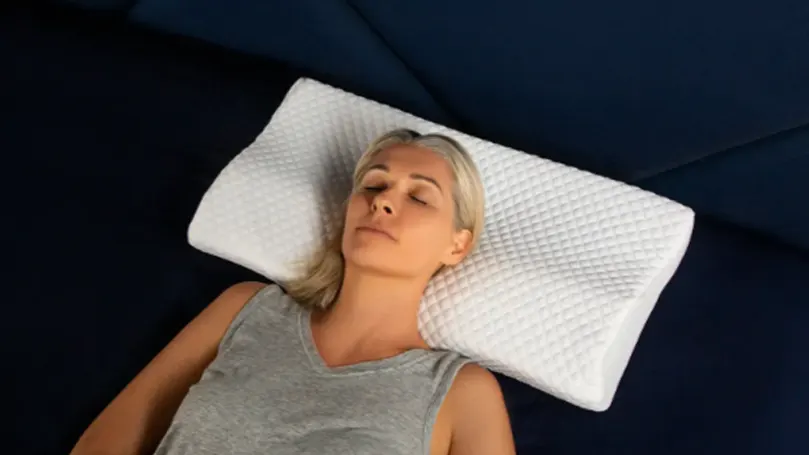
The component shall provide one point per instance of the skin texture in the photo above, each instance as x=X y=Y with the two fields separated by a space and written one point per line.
x=407 y=193
x=399 y=230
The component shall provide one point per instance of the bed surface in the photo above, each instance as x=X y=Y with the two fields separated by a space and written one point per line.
x=112 y=133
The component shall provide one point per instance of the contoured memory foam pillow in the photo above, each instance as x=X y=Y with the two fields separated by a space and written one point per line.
x=565 y=276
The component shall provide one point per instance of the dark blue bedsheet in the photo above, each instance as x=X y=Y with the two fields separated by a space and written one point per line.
x=110 y=136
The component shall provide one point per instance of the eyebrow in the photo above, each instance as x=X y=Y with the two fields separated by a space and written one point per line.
x=423 y=177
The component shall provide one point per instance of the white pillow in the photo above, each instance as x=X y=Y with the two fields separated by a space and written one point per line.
x=568 y=269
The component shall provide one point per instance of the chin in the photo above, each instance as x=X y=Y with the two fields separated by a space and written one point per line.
x=366 y=258
x=378 y=261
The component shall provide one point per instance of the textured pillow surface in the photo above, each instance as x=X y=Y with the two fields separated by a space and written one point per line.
x=566 y=274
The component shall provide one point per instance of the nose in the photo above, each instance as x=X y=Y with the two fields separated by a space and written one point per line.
x=381 y=204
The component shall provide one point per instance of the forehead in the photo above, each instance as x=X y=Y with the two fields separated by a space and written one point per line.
x=414 y=159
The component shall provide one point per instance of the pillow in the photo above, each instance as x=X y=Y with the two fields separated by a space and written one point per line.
x=565 y=276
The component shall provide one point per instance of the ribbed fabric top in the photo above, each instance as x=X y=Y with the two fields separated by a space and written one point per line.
x=269 y=391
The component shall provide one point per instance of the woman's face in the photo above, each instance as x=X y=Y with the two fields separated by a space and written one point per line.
x=400 y=219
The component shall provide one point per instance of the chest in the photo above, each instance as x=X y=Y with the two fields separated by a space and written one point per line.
x=258 y=409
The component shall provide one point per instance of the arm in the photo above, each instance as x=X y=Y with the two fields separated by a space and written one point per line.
x=480 y=423
x=136 y=420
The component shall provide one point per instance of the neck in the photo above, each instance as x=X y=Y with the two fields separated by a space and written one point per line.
x=374 y=314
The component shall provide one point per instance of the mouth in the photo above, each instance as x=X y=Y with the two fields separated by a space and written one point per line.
x=376 y=231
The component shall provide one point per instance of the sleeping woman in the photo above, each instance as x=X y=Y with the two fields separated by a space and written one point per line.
x=332 y=362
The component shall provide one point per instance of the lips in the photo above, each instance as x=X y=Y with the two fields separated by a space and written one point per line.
x=376 y=230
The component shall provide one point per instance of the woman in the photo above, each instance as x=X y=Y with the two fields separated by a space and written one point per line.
x=334 y=363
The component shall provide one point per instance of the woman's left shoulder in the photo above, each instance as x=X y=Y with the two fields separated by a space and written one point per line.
x=477 y=412
x=472 y=379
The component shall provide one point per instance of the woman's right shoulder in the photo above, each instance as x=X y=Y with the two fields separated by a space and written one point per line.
x=239 y=295
x=254 y=305
x=233 y=300
x=246 y=296
x=243 y=292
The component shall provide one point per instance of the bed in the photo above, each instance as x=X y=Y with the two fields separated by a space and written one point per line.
x=118 y=115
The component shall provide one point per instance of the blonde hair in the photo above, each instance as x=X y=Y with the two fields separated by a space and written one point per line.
x=320 y=283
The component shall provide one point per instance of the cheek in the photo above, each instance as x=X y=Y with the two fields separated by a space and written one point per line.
x=429 y=229
x=355 y=208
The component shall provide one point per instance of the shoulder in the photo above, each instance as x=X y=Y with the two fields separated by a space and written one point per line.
x=473 y=377
x=244 y=290
x=241 y=300
x=474 y=387
x=478 y=415
x=207 y=329
x=234 y=298
x=239 y=294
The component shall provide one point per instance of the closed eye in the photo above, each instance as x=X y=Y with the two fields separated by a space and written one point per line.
x=379 y=188
x=417 y=200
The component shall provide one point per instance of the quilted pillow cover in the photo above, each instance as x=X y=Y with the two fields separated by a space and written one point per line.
x=568 y=269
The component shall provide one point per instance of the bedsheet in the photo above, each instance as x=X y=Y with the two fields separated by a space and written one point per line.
x=111 y=134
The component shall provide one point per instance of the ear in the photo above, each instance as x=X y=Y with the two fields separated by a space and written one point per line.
x=461 y=246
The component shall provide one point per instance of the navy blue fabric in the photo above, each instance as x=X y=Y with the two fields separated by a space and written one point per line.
x=763 y=185
x=98 y=5
x=324 y=38
x=110 y=138
x=720 y=367
x=627 y=89
x=111 y=135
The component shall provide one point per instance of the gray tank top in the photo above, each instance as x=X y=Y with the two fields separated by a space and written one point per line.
x=269 y=392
